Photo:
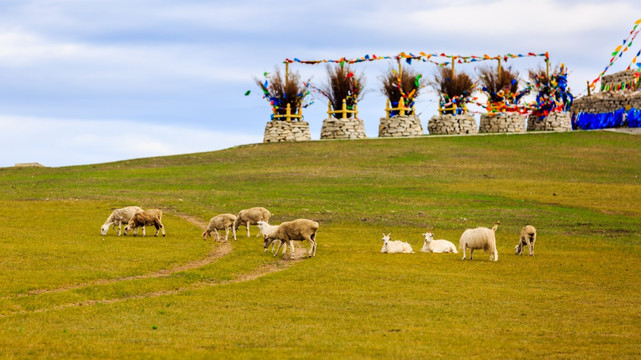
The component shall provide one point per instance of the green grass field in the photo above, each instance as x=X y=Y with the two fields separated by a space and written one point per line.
x=67 y=292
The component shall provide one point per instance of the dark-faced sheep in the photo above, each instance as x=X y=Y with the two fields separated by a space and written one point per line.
x=295 y=230
x=251 y=216
x=220 y=222
x=480 y=238
x=528 y=237
x=146 y=218
x=119 y=217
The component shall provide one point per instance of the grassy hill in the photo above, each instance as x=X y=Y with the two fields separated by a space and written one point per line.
x=66 y=291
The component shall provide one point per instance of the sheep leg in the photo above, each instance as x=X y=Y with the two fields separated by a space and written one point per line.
x=496 y=255
x=119 y=228
x=247 y=226
x=285 y=249
x=471 y=253
x=279 y=245
x=226 y=233
x=532 y=247
x=143 y=231
x=162 y=227
x=464 y=250
x=217 y=237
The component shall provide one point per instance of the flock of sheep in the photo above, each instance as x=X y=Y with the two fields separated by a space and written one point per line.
x=472 y=239
x=305 y=230
x=276 y=235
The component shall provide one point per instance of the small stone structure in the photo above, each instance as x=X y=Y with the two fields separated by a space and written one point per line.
x=400 y=126
x=555 y=121
x=452 y=124
x=605 y=102
x=502 y=122
x=282 y=131
x=610 y=81
x=344 y=128
x=31 y=164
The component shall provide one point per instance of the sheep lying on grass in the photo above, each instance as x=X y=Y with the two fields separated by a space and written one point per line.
x=146 y=218
x=397 y=246
x=528 y=237
x=250 y=217
x=290 y=231
x=266 y=229
x=437 y=246
x=480 y=238
x=220 y=222
x=119 y=217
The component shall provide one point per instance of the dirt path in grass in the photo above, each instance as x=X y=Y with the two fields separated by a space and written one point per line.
x=215 y=253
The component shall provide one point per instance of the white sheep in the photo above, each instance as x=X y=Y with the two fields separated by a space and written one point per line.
x=528 y=237
x=251 y=216
x=219 y=222
x=119 y=217
x=295 y=230
x=266 y=229
x=146 y=218
x=480 y=238
x=437 y=246
x=396 y=246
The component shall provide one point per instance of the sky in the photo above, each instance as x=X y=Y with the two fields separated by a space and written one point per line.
x=86 y=82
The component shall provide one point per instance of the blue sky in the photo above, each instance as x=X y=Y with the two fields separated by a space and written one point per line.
x=85 y=82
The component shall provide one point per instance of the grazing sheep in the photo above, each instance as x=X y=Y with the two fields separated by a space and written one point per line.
x=119 y=217
x=528 y=237
x=266 y=229
x=289 y=231
x=480 y=238
x=220 y=222
x=250 y=217
x=146 y=218
x=397 y=246
x=437 y=246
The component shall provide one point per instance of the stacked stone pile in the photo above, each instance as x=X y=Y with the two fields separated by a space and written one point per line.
x=618 y=78
x=400 y=126
x=502 y=122
x=555 y=121
x=451 y=124
x=345 y=128
x=605 y=102
x=282 y=131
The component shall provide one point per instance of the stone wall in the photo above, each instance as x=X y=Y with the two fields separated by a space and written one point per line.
x=450 y=124
x=345 y=128
x=281 y=131
x=502 y=122
x=400 y=126
x=605 y=102
x=618 y=78
x=555 y=121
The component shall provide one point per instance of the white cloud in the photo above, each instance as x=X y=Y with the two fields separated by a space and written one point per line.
x=59 y=142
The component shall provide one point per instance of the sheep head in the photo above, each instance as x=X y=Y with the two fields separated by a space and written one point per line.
x=386 y=238
x=104 y=229
x=428 y=237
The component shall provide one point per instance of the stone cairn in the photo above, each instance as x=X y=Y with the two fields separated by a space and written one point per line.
x=555 y=121
x=282 y=131
x=509 y=122
x=400 y=126
x=452 y=124
x=610 y=101
x=343 y=128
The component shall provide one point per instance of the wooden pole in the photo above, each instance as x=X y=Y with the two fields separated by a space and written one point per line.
x=547 y=69
x=453 y=74
x=286 y=72
x=588 y=81
x=499 y=73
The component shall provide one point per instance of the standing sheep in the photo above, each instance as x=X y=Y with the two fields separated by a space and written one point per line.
x=295 y=230
x=528 y=237
x=480 y=238
x=437 y=246
x=250 y=217
x=146 y=218
x=119 y=217
x=220 y=222
x=397 y=246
